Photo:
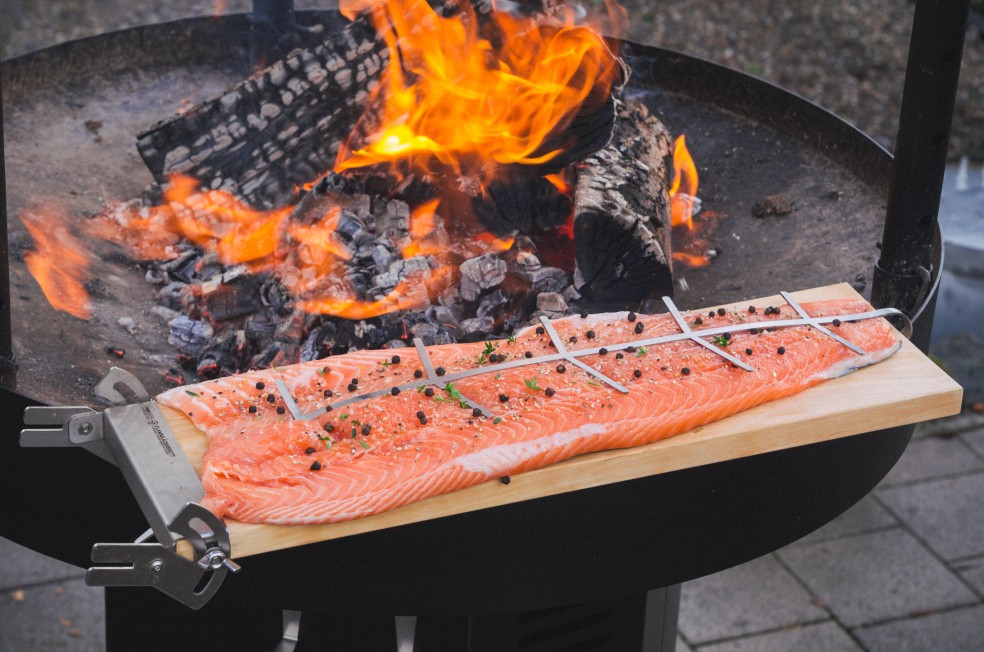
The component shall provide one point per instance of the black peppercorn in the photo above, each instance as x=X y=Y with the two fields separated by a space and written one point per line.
x=590 y=335
x=395 y=359
x=280 y=409
x=632 y=316
x=549 y=391
x=540 y=330
x=252 y=409
x=561 y=368
x=503 y=398
x=316 y=466
x=637 y=373
x=619 y=356
x=602 y=351
x=328 y=393
x=748 y=351
x=781 y=350
x=528 y=354
x=751 y=310
x=429 y=392
x=395 y=391
x=685 y=371
x=417 y=373
x=329 y=427
x=476 y=412
x=440 y=371
x=260 y=385
x=638 y=327
x=505 y=479
x=352 y=387
x=366 y=429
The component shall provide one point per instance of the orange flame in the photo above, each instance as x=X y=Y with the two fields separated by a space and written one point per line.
x=450 y=95
x=684 y=187
x=59 y=262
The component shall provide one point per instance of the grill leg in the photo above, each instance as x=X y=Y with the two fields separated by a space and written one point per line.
x=644 y=623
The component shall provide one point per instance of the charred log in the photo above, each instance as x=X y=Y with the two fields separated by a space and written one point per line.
x=519 y=202
x=280 y=126
x=622 y=215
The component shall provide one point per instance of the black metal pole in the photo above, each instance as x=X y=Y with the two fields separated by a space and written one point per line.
x=902 y=274
x=7 y=365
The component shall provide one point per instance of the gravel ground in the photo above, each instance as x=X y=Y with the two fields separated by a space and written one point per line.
x=847 y=55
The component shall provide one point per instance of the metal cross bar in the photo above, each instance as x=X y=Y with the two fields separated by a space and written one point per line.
x=687 y=333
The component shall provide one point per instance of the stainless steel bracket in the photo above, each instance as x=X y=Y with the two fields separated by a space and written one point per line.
x=135 y=437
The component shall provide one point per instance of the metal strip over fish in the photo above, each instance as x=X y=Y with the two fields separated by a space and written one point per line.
x=686 y=333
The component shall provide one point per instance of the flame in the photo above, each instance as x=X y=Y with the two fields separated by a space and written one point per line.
x=466 y=94
x=684 y=187
x=691 y=260
x=59 y=263
x=450 y=95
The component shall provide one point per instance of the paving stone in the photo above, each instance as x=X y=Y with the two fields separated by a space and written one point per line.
x=68 y=617
x=21 y=567
x=866 y=515
x=972 y=571
x=961 y=630
x=747 y=599
x=822 y=637
x=875 y=576
x=974 y=439
x=946 y=514
x=931 y=458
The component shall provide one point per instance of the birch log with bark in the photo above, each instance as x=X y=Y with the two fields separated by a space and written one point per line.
x=622 y=214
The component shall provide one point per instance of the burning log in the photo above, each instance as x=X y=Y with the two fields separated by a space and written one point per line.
x=622 y=214
x=282 y=125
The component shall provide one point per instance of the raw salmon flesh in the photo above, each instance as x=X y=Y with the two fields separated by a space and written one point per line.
x=276 y=456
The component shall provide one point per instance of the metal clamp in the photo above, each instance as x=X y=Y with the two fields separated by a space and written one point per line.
x=135 y=437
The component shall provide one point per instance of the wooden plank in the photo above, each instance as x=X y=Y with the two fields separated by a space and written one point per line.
x=906 y=388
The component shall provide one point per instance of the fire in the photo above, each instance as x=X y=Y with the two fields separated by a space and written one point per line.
x=683 y=191
x=59 y=262
x=466 y=91
x=464 y=94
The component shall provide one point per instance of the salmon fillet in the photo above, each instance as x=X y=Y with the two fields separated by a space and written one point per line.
x=275 y=455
